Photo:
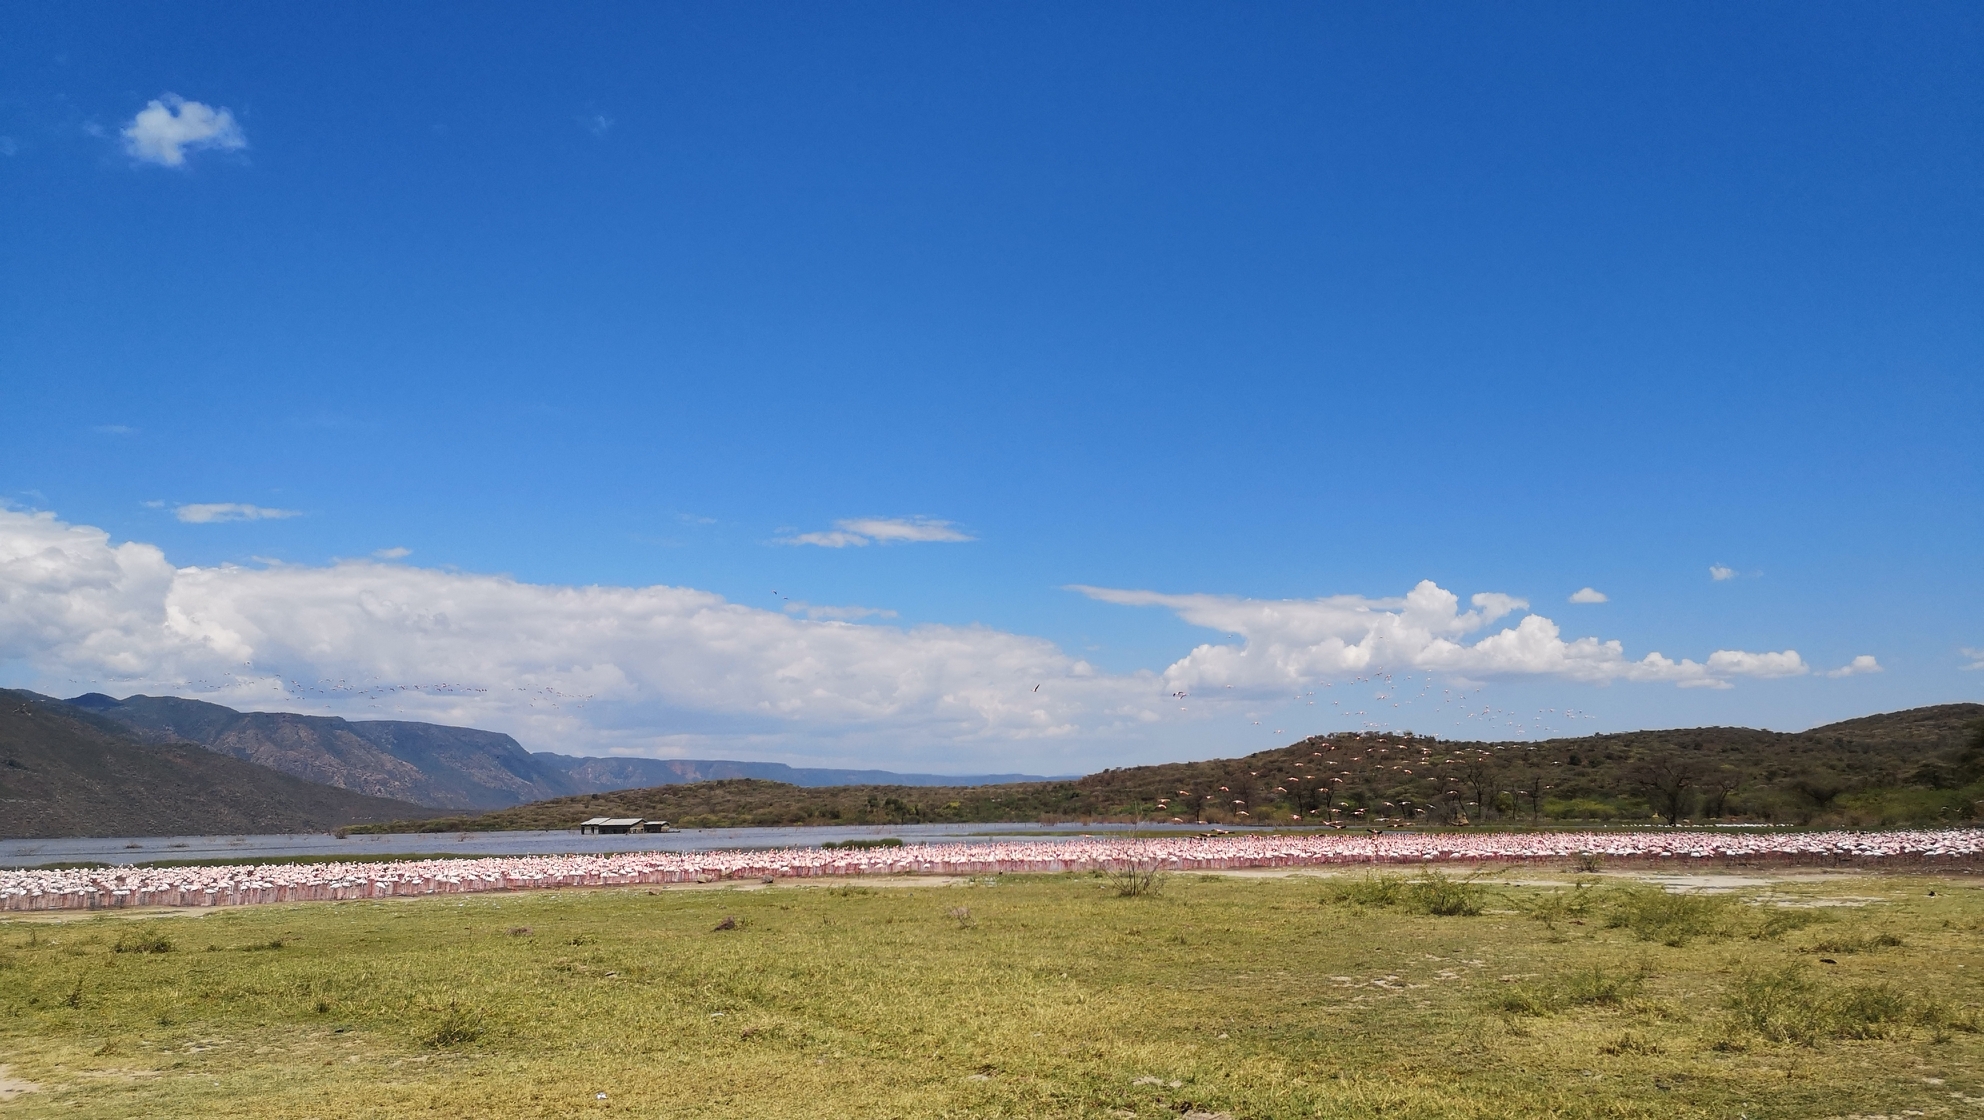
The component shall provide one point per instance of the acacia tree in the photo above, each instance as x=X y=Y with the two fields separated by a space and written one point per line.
x=1480 y=775
x=1716 y=789
x=1666 y=780
x=1531 y=791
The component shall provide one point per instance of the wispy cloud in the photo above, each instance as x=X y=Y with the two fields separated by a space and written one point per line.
x=1865 y=663
x=859 y=532
x=165 y=129
x=395 y=553
x=1720 y=572
x=1589 y=595
x=203 y=513
x=114 y=429
x=836 y=614
x=1976 y=657
x=599 y=124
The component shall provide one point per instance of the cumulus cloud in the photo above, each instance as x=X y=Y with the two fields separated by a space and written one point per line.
x=1720 y=572
x=1865 y=663
x=654 y=668
x=203 y=513
x=859 y=532
x=165 y=129
x=1286 y=643
x=675 y=670
x=1589 y=595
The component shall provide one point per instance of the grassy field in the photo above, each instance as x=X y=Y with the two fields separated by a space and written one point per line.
x=1253 y=996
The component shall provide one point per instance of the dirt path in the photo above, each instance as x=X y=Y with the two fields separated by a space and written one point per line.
x=11 y=1087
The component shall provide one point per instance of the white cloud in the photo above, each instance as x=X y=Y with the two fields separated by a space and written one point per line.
x=1589 y=595
x=1865 y=663
x=655 y=668
x=1976 y=657
x=114 y=429
x=1291 y=642
x=1720 y=572
x=395 y=553
x=859 y=532
x=163 y=130
x=830 y=540
x=838 y=614
x=674 y=670
x=202 y=513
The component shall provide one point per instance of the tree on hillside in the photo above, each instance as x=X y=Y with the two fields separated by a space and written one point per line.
x=1818 y=789
x=1665 y=781
x=1531 y=790
x=1481 y=777
x=1716 y=788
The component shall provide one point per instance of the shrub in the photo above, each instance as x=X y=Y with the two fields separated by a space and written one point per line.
x=458 y=1028
x=1671 y=919
x=1591 y=987
x=1429 y=893
x=1559 y=906
x=1136 y=878
x=1630 y=1043
x=146 y=941
x=1780 y=920
x=1846 y=945
x=1789 y=1006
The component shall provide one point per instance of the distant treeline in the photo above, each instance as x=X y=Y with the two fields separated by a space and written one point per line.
x=1915 y=767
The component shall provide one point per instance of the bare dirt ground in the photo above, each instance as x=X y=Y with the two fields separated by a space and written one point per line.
x=11 y=1087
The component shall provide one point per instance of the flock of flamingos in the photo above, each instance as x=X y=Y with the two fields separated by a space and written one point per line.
x=118 y=887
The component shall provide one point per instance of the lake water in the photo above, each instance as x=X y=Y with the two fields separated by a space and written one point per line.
x=144 y=849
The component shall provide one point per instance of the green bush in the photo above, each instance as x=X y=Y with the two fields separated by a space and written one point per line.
x=1850 y=944
x=143 y=941
x=458 y=1028
x=1780 y=920
x=1591 y=987
x=1790 y=1006
x=1671 y=919
x=1553 y=907
x=1429 y=893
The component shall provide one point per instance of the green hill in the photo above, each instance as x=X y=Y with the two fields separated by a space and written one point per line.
x=67 y=772
x=1925 y=765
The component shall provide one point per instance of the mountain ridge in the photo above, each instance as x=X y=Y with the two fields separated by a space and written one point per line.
x=65 y=771
x=444 y=766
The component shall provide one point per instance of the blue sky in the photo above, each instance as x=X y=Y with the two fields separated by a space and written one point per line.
x=1260 y=304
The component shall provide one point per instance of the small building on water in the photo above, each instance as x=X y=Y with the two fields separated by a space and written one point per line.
x=620 y=826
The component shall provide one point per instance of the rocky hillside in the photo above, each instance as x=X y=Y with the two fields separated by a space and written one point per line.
x=441 y=766
x=67 y=772
x=425 y=763
x=1925 y=765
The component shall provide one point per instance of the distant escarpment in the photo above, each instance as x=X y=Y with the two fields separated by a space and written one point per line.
x=67 y=772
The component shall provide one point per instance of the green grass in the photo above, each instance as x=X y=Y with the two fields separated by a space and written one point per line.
x=1043 y=996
